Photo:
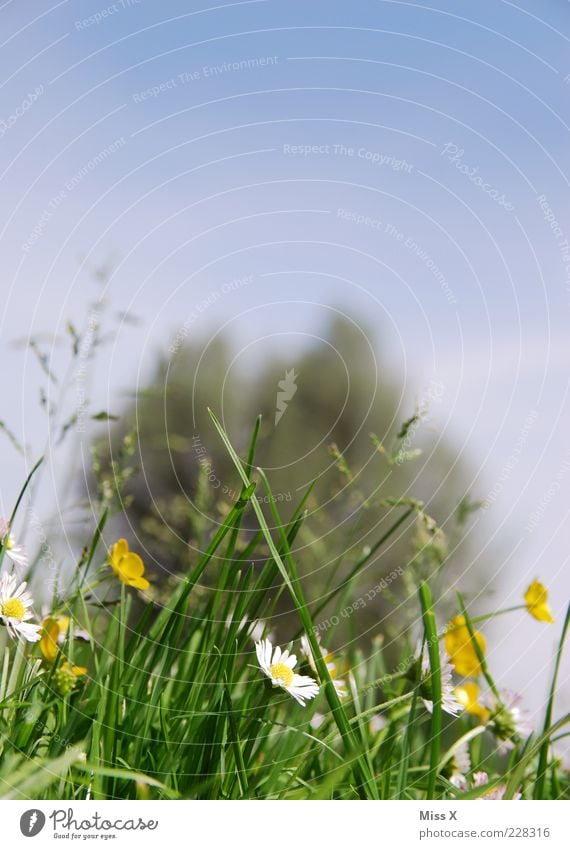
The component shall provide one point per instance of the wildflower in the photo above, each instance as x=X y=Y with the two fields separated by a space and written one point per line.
x=54 y=632
x=461 y=760
x=15 y=552
x=507 y=720
x=15 y=604
x=66 y=676
x=481 y=778
x=467 y=694
x=458 y=766
x=449 y=702
x=536 y=600
x=328 y=657
x=127 y=566
x=460 y=648
x=278 y=666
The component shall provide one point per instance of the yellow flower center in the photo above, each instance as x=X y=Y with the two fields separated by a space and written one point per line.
x=13 y=609
x=280 y=672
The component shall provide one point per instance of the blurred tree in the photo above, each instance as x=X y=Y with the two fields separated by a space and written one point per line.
x=330 y=414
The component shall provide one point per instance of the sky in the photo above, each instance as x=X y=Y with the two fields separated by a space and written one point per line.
x=258 y=165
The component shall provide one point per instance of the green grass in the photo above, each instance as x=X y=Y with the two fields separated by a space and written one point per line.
x=175 y=705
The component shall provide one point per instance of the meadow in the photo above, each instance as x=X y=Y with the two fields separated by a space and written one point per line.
x=123 y=685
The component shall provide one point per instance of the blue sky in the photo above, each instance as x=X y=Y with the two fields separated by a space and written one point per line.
x=401 y=162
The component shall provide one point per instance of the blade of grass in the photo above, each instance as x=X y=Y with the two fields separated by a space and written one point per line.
x=406 y=749
x=543 y=757
x=432 y=641
x=361 y=562
x=363 y=778
x=477 y=648
x=27 y=482
x=235 y=742
x=333 y=699
x=531 y=750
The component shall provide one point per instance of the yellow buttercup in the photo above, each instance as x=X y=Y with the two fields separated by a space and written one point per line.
x=536 y=600
x=461 y=650
x=127 y=566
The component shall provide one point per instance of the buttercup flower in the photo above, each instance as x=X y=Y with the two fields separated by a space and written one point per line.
x=14 y=551
x=54 y=631
x=449 y=702
x=127 y=566
x=460 y=648
x=467 y=694
x=15 y=613
x=507 y=720
x=278 y=666
x=339 y=684
x=536 y=600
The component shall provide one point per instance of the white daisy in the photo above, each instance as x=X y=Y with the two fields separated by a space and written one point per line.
x=339 y=684
x=15 y=612
x=462 y=760
x=278 y=666
x=507 y=720
x=449 y=702
x=459 y=765
x=15 y=552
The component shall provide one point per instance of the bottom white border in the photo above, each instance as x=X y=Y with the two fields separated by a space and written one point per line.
x=277 y=825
